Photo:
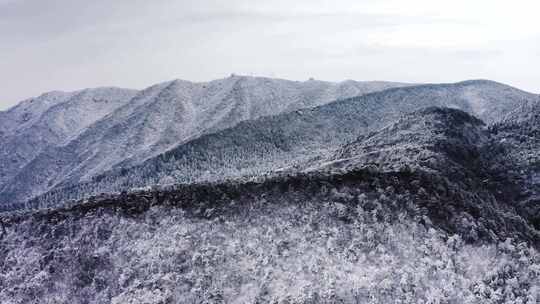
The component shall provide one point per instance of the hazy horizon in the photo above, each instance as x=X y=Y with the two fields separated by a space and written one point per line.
x=70 y=45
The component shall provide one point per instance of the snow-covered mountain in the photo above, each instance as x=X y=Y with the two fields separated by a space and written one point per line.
x=282 y=142
x=426 y=194
x=519 y=135
x=70 y=137
x=50 y=120
x=433 y=230
x=433 y=139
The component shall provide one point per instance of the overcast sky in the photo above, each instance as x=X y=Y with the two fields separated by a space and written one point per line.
x=72 y=44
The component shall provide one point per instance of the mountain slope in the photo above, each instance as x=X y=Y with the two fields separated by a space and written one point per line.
x=410 y=211
x=276 y=143
x=520 y=136
x=370 y=233
x=51 y=120
x=159 y=118
x=461 y=155
x=422 y=139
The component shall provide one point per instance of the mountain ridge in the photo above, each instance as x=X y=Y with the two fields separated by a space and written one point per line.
x=269 y=143
x=418 y=194
x=165 y=115
x=51 y=119
x=448 y=152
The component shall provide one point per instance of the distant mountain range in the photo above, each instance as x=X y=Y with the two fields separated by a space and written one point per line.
x=69 y=146
x=60 y=138
x=147 y=142
x=256 y=190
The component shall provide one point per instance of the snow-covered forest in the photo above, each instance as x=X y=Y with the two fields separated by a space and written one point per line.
x=151 y=153
x=254 y=147
x=339 y=244
x=416 y=194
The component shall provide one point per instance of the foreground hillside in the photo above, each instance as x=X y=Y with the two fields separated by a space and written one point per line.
x=356 y=238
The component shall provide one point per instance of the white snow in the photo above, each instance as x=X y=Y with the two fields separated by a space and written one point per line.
x=93 y=136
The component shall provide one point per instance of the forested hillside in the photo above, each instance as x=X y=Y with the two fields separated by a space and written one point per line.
x=123 y=128
x=354 y=238
x=422 y=194
x=263 y=146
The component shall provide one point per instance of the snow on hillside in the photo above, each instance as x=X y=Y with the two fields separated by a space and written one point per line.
x=415 y=140
x=51 y=120
x=159 y=118
x=356 y=239
x=257 y=147
x=423 y=202
x=183 y=110
x=27 y=112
